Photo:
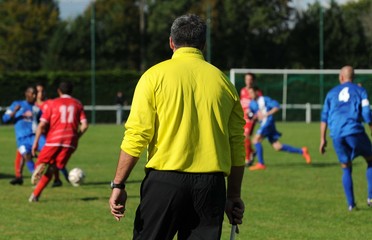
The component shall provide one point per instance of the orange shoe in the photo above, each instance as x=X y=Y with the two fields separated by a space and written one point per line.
x=258 y=166
x=306 y=155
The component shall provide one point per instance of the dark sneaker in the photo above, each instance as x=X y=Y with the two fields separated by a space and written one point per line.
x=57 y=183
x=17 y=181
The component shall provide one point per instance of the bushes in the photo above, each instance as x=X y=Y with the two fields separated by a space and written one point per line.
x=107 y=83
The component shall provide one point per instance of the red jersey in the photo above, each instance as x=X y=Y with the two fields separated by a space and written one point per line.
x=245 y=100
x=64 y=116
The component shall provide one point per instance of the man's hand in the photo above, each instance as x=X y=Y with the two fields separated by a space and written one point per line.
x=234 y=210
x=34 y=149
x=323 y=145
x=117 y=203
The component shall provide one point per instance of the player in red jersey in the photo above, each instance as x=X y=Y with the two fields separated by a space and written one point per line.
x=66 y=122
x=245 y=100
x=41 y=102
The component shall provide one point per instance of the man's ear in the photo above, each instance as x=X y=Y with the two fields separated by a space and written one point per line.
x=171 y=44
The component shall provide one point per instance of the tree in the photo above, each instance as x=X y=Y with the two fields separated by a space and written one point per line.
x=116 y=35
x=25 y=29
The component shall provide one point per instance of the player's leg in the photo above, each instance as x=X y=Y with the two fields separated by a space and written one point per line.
x=369 y=180
x=344 y=154
x=288 y=148
x=41 y=185
x=62 y=160
x=17 y=165
x=347 y=182
x=257 y=141
x=18 y=162
x=249 y=153
x=362 y=146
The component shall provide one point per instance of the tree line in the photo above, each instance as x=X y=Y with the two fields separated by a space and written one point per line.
x=133 y=34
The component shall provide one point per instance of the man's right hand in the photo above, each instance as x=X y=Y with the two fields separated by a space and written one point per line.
x=117 y=203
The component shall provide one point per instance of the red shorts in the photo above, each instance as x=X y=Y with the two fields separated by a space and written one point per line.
x=248 y=127
x=55 y=155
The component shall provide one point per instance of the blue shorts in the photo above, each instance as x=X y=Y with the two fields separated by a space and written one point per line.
x=269 y=132
x=24 y=144
x=349 y=147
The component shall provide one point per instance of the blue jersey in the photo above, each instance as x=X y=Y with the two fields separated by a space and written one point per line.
x=25 y=119
x=267 y=125
x=345 y=108
x=264 y=104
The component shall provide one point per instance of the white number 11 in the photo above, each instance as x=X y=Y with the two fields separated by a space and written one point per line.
x=67 y=113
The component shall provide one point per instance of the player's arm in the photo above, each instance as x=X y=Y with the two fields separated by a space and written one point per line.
x=324 y=127
x=41 y=128
x=83 y=127
x=323 y=137
x=118 y=197
x=366 y=111
x=11 y=112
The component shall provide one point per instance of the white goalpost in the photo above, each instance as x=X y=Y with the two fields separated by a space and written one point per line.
x=319 y=74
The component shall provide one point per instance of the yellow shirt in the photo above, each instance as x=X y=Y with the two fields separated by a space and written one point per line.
x=189 y=116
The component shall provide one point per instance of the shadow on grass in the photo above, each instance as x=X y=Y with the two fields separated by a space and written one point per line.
x=6 y=176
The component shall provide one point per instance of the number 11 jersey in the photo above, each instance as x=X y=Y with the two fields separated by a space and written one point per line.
x=64 y=115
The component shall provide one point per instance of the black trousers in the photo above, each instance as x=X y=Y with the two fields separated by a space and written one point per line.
x=191 y=205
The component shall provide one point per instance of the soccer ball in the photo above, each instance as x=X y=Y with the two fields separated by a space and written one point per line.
x=76 y=177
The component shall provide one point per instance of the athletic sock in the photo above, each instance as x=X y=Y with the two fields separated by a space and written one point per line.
x=369 y=179
x=347 y=182
x=18 y=165
x=30 y=165
x=56 y=175
x=259 y=153
x=288 y=148
x=44 y=180
x=64 y=171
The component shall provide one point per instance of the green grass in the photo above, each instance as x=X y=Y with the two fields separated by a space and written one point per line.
x=290 y=200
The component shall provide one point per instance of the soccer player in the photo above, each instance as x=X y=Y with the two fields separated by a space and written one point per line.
x=245 y=99
x=188 y=115
x=264 y=109
x=42 y=103
x=344 y=109
x=66 y=122
x=24 y=113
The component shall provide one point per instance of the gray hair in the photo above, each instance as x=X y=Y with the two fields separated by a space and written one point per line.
x=189 y=31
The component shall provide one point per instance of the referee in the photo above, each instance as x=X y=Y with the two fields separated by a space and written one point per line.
x=188 y=115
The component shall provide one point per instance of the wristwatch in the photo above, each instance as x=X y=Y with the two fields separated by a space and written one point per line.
x=117 y=185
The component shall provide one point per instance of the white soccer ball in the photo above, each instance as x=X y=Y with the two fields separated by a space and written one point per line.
x=76 y=177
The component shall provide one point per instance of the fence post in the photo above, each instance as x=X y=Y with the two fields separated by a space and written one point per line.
x=119 y=114
x=308 y=113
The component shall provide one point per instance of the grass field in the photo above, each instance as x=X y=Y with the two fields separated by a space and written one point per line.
x=289 y=200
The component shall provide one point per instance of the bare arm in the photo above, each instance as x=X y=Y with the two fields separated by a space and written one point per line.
x=118 y=197
x=234 y=204
x=323 y=137
x=83 y=128
x=271 y=112
x=40 y=129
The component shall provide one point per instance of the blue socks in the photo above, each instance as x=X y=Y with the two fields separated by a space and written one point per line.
x=287 y=148
x=65 y=173
x=369 y=179
x=30 y=165
x=347 y=182
x=259 y=152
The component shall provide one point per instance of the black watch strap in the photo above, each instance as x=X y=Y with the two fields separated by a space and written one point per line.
x=117 y=185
